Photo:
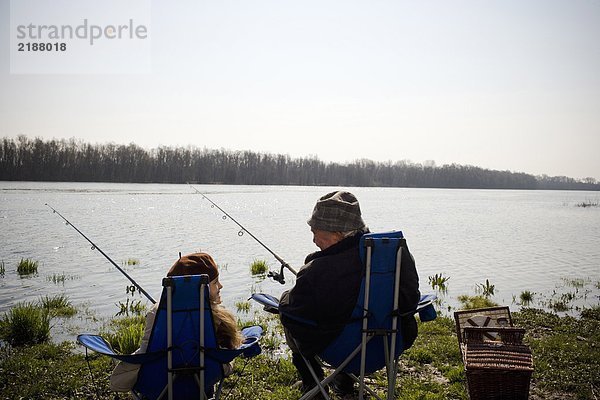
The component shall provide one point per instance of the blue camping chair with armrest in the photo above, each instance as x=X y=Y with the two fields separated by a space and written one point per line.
x=372 y=339
x=182 y=360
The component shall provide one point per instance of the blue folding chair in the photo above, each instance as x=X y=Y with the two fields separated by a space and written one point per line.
x=182 y=360
x=372 y=339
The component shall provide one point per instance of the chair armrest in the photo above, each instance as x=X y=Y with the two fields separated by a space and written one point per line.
x=425 y=309
x=252 y=331
x=98 y=344
x=270 y=303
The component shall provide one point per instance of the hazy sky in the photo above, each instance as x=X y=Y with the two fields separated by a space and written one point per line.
x=501 y=84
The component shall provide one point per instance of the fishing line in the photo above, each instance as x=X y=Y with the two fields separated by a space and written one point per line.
x=277 y=276
x=94 y=247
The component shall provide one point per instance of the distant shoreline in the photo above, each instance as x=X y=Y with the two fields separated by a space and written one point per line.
x=25 y=159
x=297 y=185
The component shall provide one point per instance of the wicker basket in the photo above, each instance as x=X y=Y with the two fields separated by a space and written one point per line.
x=497 y=365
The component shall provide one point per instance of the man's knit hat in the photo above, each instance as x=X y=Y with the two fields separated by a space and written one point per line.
x=195 y=264
x=337 y=212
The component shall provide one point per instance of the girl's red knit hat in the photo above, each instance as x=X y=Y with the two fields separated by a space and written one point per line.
x=195 y=264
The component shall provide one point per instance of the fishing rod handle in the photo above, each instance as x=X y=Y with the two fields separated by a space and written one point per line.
x=289 y=268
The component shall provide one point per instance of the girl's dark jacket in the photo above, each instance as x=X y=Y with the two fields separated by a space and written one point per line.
x=326 y=292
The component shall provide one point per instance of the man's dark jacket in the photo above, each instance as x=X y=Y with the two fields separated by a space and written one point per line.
x=326 y=292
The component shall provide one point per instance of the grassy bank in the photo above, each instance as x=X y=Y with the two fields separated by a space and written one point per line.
x=566 y=355
x=566 y=349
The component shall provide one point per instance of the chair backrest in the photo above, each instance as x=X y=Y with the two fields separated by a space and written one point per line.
x=382 y=283
x=185 y=315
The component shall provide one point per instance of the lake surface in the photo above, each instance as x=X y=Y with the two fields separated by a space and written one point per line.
x=539 y=241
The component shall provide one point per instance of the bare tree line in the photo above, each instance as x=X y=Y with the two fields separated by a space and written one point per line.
x=25 y=159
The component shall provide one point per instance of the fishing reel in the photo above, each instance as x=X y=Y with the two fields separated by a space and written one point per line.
x=278 y=276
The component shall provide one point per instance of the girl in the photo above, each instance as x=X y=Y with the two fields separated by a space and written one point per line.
x=228 y=334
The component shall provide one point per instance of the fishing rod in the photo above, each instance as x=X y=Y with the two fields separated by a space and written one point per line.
x=277 y=276
x=94 y=247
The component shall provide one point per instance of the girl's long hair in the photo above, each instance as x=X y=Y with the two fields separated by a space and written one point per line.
x=226 y=328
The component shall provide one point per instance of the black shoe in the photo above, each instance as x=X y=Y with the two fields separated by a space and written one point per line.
x=342 y=393
x=342 y=385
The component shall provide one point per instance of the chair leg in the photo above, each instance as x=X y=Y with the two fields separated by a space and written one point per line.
x=392 y=380
x=325 y=382
x=166 y=391
x=368 y=389
x=203 y=395
x=219 y=389
x=319 y=386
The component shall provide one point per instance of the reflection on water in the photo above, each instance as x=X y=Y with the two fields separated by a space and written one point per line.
x=536 y=241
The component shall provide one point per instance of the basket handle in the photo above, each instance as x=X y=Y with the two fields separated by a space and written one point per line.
x=506 y=334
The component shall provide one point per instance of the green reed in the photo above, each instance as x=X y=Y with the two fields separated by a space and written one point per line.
x=133 y=307
x=128 y=335
x=132 y=262
x=486 y=289
x=588 y=203
x=526 y=297
x=243 y=306
x=58 y=305
x=27 y=267
x=259 y=267
x=439 y=282
x=25 y=324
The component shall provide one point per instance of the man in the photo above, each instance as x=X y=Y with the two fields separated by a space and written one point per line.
x=327 y=286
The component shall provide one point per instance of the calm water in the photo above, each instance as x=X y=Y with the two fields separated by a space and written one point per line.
x=519 y=240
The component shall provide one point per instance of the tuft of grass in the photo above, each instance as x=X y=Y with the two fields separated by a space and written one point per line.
x=439 y=282
x=577 y=283
x=563 y=302
x=132 y=261
x=559 y=305
x=472 y=302
x=57 y=278
x=243 y=306
x=526 y=297
x=126 y=334
x=486 y=289
x=259 y=267
x=271 y=341
x=129 y=339
x=58 y=306
x=27 y=267
x=25 y=324
x=133 y=307
x=588 y=203
x=60 y=278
